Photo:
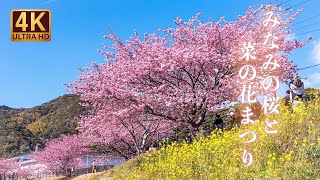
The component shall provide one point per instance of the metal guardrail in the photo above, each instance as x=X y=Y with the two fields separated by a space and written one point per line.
x=82 y=171
x=69 y=173
x=9 y=176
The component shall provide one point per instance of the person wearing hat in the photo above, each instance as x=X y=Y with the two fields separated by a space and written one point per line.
x=297 y=87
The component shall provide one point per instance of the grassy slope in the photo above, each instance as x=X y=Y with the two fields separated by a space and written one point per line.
x=292 y=153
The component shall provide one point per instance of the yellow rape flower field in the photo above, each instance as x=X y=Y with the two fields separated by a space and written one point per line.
x=292 y=153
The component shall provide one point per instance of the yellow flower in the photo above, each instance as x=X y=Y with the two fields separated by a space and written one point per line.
x=291 y=152
x=288 y=156
x=220 y=156
x=269 y=163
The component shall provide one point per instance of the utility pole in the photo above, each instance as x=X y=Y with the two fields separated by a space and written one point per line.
x=87 y=163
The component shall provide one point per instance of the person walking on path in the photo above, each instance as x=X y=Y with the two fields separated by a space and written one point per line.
x=218 y=121
x=94 y=166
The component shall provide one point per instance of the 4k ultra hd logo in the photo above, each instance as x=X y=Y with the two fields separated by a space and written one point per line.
x=30 y=25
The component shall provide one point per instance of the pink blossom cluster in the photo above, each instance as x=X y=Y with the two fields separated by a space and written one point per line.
x=63 y=153
x=8 y=166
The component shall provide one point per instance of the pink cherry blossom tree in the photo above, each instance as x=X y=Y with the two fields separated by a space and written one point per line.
x=12 y=167
x=8 y=166
x=123 y=128
x=180 y=75
x=63 y=153
x=31 y=171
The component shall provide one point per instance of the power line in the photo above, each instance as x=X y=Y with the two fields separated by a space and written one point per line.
x=306 y=20
x=296 y=5
x=289 y=7
x=300 y=21
x=264 y=7
x=307 y=32
x=278 y=1
x=300 y=69
x=272 y=1
x=307 y=25
x=308 y=67
x=283 y=3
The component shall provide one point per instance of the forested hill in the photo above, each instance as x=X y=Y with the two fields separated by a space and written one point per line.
x=21 y=129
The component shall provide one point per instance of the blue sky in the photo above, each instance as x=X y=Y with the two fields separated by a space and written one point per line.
x=34 y=73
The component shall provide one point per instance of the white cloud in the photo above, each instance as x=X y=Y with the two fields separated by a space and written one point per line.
x=291 y=37
x=316 y=52
x=314 y=78
x=307 y=83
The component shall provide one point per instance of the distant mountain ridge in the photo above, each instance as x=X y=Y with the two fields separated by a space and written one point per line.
x=22 y=129
x=3 y=107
